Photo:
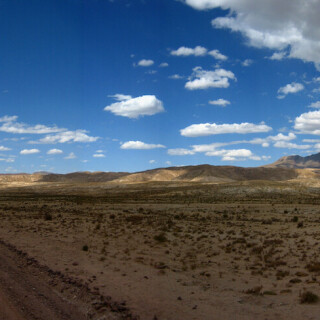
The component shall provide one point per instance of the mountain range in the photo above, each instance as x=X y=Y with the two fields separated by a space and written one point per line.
x=286 y=168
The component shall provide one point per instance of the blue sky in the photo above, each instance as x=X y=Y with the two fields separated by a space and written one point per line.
x=133 y=85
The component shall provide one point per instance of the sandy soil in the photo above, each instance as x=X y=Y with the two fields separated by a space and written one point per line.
x=191 y=252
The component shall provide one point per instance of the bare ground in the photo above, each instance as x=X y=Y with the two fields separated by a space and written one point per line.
x=238 y=251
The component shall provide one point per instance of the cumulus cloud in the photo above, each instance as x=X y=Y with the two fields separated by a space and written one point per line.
x=278 y=55
x=290 y=145
x=290 y=88
x=206 y=129
x=308 y=122
x=145 y=63
x=203 y=79
x=198 y=51
x=217 y=55
x=185 y=51
x=139 y=145
x=70 y=156
x=315 y=104
x=247 y=62
x=273 y=24
x=2 y=148
x=219 y=102
x=164 y=65
x=180 y=152
x=53 y=134
x=175 y=77
x=99 y=155
x=10 y=125
x=29 y=151
x=146 y=105
x=54 y=151
x=67 y=136
x=120 y=97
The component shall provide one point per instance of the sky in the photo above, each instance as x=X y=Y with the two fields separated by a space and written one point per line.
x=132 y=85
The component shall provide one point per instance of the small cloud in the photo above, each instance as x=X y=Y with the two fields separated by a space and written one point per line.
x=289 y=88
x=175 y=77
x=2 y=148
x=185 y=51
x=315 y=104
x=206 y=129
x=29 y=151
x=139 y=145
x=278 y=55
x=203 y=79
x=164 y=65
x=146 y=105
x=217 y=55
x=247 y=62
x=152 y=161
x=54 y=151
x=71 y=155
x=219 y=102
x=99 y=155
x=145 y=63
x=180 y=152
x=168 y=163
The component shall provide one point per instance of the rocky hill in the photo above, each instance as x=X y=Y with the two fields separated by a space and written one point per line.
x=297 y=162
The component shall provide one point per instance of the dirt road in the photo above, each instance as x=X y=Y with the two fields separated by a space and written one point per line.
x=29 y=291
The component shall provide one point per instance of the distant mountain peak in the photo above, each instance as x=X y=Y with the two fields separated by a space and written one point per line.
x=297 y=162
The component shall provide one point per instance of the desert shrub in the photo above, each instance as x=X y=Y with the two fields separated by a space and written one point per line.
x=85 y=248
x=313 y=266
x=300 y=225
x=48 y=216
x=295 y=219
x=160 y=237
x=309 y=297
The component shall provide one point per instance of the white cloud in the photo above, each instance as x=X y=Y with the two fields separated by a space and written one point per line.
x=54 y=151
x=308 y=122
x=146 y=105
x=185 y=51
x=219 y=102
x=67 y=136
x=10 y=125
x=217 y=55
x=152 y=161
x=2 y=148
x=9 y=160
x=233 y=154
x=203 y=79
x=168 y=163
x=278 y=55
x=139 y=145
x=163 y=65
x=71 y=155
x=247 y=62
x=8 y=118
x=175 y=77
x=290 y=145
x=99 y=155
x=145 y=63
x=120 y=97
x=315 y=104
x=206 y=129
x=273 y=24
x=29 y=151
x=290 y=88
x=53 y=134
x=198 y=51
x=180 y=152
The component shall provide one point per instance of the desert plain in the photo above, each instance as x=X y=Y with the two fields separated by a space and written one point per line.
x=166 y=250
